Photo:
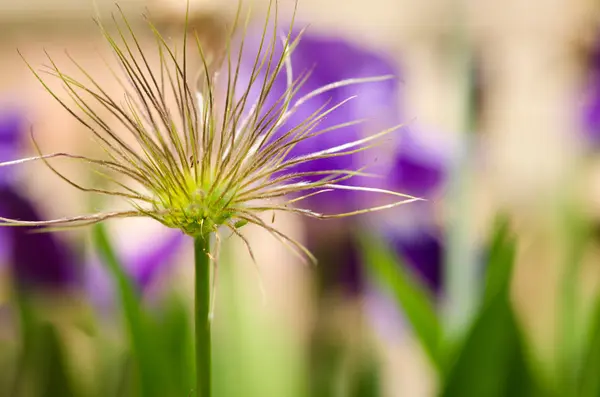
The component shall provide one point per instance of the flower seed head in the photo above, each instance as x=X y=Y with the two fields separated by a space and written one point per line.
x=207 y=155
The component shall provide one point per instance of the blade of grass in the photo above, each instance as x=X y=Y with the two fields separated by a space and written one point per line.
x=588 y=379
x=42 y=364
x=570 y=338
x=461 y=265
x=53 y=378
x=500 y=263
x=412 y=297
x=144 y=352
x=492 y=360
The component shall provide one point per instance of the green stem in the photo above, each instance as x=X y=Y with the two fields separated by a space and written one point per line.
x=202 y=319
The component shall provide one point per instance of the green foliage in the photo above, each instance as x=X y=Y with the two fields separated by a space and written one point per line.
x=492 y=360
x=42 y=367
x=143 y=349
x=412 y=296
x=589 y=377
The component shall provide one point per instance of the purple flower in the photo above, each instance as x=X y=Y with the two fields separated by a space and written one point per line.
x=420 y=165
x=420 y=168
x=590 y=116
x=11 y=128
x=422 y=249
x=413 y=164
x=37 y=260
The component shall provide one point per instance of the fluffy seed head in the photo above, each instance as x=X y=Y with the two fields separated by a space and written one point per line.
x=208 y=153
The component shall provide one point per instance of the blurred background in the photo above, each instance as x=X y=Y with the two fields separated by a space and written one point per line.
x=488 y=288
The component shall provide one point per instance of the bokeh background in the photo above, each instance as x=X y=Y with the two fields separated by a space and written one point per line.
x=500 y=103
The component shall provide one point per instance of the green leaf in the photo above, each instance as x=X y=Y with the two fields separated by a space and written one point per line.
x=500 y=262
x=138 y=327
x=42 y=366
x=589 y=379
x=367 y=382
x=53 y=378
x=572 y=322
x=410 y=294
x=492 y=361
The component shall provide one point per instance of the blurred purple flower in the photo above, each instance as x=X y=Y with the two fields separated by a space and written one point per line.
x=36 y=259
x=412 y=164
x=42 y=260
x=329 y=60
x=423 y=251
x=590 y=115
x=420 y=164
x=421 y=169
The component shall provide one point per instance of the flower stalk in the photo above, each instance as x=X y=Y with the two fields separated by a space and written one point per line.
x=203 y=317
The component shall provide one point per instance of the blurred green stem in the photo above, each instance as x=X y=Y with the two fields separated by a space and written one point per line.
x=576 y=234
x=461 y=271
x=202 y=316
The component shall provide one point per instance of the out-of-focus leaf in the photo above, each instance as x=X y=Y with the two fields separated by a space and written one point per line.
x=27 y=334
x=147 y=359
x=367 y=379
x=8 y=358
x=411 y=295
x=326 y=360
x=500 y=262
x=492 y=360
x=173 y=331
x=571 y=341
x=42 y=366
x=110 y=367
x=589 y=377
x=52 y=376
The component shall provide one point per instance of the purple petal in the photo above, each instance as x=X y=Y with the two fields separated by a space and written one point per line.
x=590 y=112
x=334 y=60
x=423 y=251
x=12 y=126
x=421 y=164
x=11 y=129
x=37 y=259
x=149 y=262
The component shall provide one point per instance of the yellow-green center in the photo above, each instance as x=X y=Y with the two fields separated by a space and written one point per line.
x=199 y=210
